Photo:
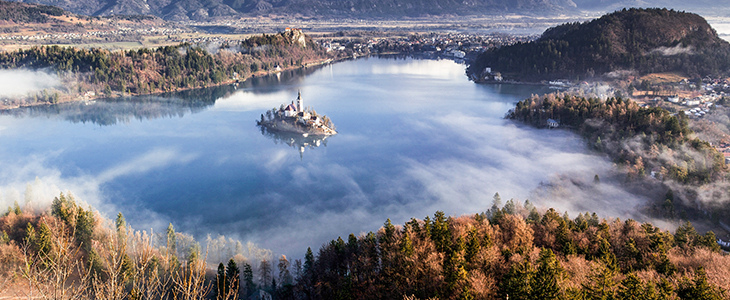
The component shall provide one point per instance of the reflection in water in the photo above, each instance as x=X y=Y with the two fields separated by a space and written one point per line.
x=295 y=140
x=107 y=112
x=114 y=111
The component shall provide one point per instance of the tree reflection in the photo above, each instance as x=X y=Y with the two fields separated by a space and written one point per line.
x=295 y=140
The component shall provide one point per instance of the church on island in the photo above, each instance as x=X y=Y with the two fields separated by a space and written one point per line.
x=295 y=118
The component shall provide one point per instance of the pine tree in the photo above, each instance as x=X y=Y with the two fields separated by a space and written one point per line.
x=473 y=247
x=265 y=274
x=406 y=246
x=248 y=279
x=285 y=277
x=221 y=283
x=517 y=283
x=171 y=242
x=546 y=282
x=699 y=288
x=440 y=234
x=233 y=277
x=601 y=284
x=43 y=241
x=631 y=288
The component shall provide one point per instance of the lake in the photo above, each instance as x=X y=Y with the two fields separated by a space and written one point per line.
x=415 y=136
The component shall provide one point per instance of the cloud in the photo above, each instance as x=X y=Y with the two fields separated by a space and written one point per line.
x=552 y=168
x=156 y=158
x=671 y=51
x=22 y=82
x=41 y=183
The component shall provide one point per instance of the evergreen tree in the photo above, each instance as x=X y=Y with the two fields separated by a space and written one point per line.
x=285 y=277
x=248 y=279
x=221 y=287
x=171 y=242
x=440 y=234
x=43 y=241
x=632 y=288
x=233 y=277
x=699 y=288
x=473 y=247
x=601 y=284
x=546 y=282
x=517 y=283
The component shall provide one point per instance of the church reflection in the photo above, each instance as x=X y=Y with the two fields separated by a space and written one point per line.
x=295 y=140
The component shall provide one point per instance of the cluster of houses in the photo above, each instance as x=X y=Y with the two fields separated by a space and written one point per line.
x=448 y=45
x=489 y=75
x=723 y=243
x=94 y=34
x=698 y=112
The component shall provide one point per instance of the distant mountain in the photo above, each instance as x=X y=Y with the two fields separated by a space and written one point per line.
x=705 y=7
x=28 y=13
x=180 y=10
x=641 y=40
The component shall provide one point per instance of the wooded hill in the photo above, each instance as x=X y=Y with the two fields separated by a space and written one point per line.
x=517 y=252
x=512 y=250
x=649 y=144
x=642 y=40
x=164 y=69
x=642 y=139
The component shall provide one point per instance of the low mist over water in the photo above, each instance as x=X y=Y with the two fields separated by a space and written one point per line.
x=415 y=136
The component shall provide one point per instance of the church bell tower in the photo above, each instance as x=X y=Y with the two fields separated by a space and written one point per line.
x=300 y=102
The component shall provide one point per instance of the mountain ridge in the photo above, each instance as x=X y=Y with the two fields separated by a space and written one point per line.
x=184 y=10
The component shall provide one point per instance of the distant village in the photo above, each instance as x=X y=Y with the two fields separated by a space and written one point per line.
x=452 y=45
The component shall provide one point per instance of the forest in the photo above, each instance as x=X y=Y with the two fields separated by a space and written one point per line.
x=512 y=250
x=164 y=69
x=644 y=139
x=644 y=40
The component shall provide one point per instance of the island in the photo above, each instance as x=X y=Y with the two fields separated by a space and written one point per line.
x=295 y=118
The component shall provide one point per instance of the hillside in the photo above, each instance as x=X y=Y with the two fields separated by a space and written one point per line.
x=514 y=251
x=28 y=13
x=643 y=40
x=181 y=10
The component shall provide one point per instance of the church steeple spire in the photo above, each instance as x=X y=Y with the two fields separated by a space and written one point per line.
x=300 y=102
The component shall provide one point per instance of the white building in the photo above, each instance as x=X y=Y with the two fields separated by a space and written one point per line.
x=290 y=110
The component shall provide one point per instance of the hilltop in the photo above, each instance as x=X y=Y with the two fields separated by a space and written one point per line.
x=642 y=40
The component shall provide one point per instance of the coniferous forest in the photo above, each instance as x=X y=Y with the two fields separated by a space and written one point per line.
x=511 y=250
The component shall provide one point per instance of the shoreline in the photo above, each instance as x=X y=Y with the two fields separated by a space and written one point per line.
x=81 y=97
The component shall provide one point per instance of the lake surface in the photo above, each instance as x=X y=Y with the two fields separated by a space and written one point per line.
x=415 y=136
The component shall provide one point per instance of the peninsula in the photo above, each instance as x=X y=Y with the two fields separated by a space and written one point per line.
x=295 y=118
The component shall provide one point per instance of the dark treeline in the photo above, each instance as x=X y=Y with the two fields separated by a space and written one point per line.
x=643 y=139
x=645 y=40
x=516 y=252
x=169 y=68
